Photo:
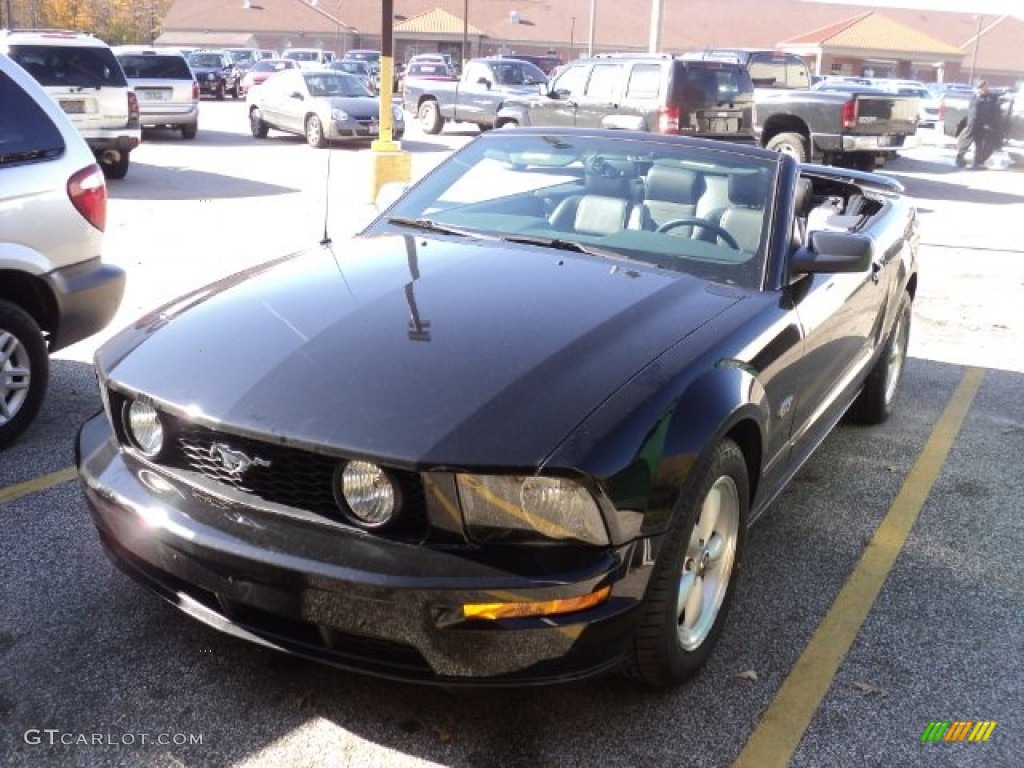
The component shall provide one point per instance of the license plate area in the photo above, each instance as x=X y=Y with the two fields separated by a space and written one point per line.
x=72 y=106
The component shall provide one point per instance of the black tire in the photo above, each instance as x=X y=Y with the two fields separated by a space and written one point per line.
x=221 y=91
x=117 y=169
x=875 y=402
x=258 y=128
x=236 y=92
x=430 y=117
x=24 y=371
x=189 y=131
x=315 y=132
x=863 y=161
x=666 y=651
x=792 y=144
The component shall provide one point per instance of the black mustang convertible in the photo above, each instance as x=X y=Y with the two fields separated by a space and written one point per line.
x=516 y=429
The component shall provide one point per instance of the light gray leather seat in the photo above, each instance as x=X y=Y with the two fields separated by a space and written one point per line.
x=670 y=193
x=744 y=216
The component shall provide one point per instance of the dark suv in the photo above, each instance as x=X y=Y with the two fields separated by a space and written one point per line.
x=656 y=93
x=216 y=73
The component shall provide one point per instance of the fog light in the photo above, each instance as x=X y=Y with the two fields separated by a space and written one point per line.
x=142 y=423
x=369 y=493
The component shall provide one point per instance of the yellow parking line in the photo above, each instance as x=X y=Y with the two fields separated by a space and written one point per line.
x=787 y=718
x=36 y=484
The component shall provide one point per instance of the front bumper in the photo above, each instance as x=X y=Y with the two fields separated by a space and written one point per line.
x=350 y=599
x=341 y=130
x=87 y=296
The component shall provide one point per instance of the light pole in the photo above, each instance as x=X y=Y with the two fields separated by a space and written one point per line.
x=465 y=34
x=977 y=45
x=593 y=21
x=572 y=37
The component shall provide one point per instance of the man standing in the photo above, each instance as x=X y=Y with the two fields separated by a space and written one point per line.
x=982 y=127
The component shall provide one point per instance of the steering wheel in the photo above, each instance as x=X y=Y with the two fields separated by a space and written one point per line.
x=697 y=221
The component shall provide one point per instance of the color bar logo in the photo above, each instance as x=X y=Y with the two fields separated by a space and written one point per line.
x=958 y=730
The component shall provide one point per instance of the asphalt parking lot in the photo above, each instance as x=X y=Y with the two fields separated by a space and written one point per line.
x=883 y=591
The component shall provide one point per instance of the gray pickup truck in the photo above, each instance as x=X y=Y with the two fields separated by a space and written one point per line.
x=844 y=128
x=476 y=97
x=953 y=116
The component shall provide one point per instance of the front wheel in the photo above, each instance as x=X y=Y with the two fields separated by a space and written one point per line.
x=694 y=576
x=220 y=92
x=24 y=371
x=429 y=117
x=792 y=144
x=874 y=404
x=315 y=132
x=236 y=92
x=257 y=127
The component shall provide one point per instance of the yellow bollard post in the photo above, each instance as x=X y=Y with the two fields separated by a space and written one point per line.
x=390 y=163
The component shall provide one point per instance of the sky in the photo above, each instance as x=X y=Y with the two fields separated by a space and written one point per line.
x=1015 y=7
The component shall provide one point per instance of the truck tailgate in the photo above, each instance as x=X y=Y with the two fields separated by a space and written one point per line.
x=886 y=115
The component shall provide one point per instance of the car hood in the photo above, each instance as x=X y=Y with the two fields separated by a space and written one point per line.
x=420 y=351
x=355 y=106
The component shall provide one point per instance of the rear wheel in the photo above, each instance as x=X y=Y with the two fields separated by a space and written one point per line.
x=693 y=580
x=189 y=131
x=430 y=117
x=116 y=169
x=24 y=371
x=792 y=144
x=315 y=132
x=874 y=404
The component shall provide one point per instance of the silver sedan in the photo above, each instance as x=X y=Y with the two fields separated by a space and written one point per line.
x=321 y=104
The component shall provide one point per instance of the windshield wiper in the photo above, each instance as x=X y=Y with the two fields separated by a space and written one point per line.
x=432 y=226
x=564 y=245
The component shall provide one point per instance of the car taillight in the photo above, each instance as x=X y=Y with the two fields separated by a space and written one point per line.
x=195 y=91
x=850 y=114
x=133 y=106
x=88 y=193
x=668 y=120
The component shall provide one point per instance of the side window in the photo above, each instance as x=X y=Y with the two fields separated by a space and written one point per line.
x=476 y=71
x=27 y=134
x=772 y=70
x=605 y=81
x=644 y=82
x=570 y=83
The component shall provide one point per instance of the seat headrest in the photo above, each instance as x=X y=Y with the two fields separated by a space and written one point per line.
x=674 y=185
x=598 y=215
x=747 y=189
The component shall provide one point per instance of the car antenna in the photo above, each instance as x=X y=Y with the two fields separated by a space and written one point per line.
x=327 y=199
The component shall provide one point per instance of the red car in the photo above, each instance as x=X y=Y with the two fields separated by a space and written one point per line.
x=261 y=70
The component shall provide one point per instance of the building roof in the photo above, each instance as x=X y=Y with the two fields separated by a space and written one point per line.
x=876 y=33
x=436 y=22
x=543 y=24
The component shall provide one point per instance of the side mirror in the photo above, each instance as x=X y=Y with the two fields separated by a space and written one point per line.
x=843 y=252
x=297 y=95
x=484 y=82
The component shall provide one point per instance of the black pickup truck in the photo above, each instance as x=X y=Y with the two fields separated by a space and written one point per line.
x=858 y=130
x=953 y=117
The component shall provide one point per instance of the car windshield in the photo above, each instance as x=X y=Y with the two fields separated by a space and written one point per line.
x=303 y=55
x=207 y=60
x=70 y=66
x=156 y=67
x=352 y=67
x=335 y=84
x=700 y=210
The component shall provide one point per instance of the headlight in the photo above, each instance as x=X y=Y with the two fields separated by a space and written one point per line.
x=396 y=113
x=339 y=114
x=143 y=427
x=497 y=507
x=367 y=494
